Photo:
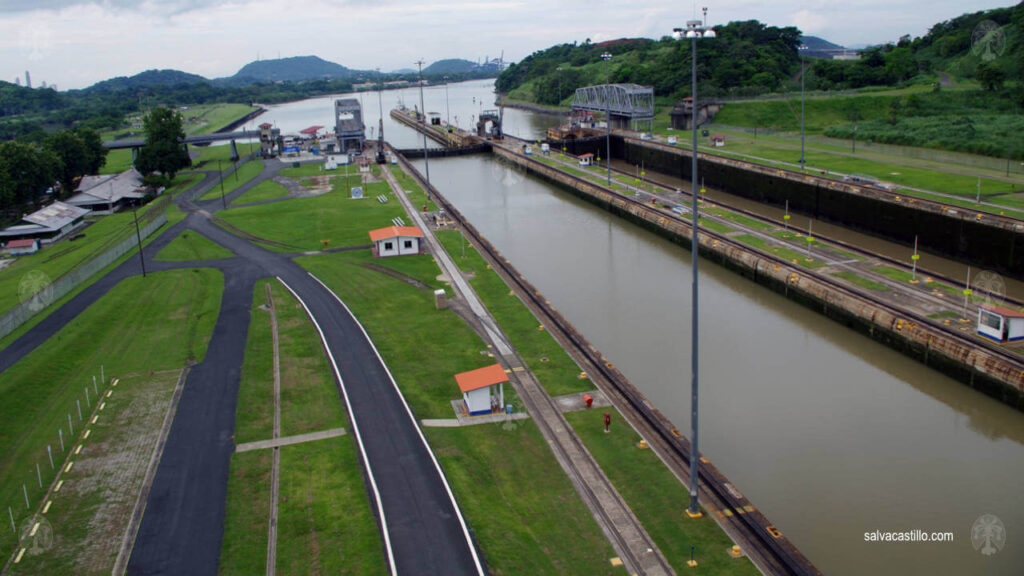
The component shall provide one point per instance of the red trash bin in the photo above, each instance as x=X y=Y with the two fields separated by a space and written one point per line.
x=588 y=399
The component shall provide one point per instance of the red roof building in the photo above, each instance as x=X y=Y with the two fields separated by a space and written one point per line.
x=476 y=386
x=396 y=241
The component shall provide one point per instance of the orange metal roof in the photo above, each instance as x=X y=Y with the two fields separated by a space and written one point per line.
x=481 y=378
x=21 y=243
x=393 y=232
x=1004 y=312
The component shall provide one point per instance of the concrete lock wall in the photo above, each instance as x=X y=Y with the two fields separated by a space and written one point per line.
x=984 y=240
x=21 y=313
x=915 y=337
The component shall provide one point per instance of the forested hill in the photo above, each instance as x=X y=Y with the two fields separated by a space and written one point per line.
x=746 y=58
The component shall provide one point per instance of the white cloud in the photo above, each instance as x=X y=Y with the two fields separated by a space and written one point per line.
x=75 y=43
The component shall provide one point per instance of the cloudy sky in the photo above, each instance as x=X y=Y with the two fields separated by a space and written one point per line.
x=74 y=43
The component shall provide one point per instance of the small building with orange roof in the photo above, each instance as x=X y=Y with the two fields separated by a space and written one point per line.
x=1000 y=324
x=477 y=388
x=396 y=241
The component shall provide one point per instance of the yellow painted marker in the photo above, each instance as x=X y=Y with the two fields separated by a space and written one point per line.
x=59 y=484
x=86 y=435
x=47 y=507
x=70 y=464
x=20 y=554
x=79 y=449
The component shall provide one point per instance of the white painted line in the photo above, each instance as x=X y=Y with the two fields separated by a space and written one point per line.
x=95 y=418
x=35 y=528
x=20 y=554
x=355 y=430
x=412 y=418
x=109 y=392
x=114 y=383
x=102 y=405
x=79 y=449
x=59 y=484
x=47 y=507
x=70 y=464
x=86 y=435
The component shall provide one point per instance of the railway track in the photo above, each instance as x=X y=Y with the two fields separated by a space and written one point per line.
x=989 y=347
x=765 y=545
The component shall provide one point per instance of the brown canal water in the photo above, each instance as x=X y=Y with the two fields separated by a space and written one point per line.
x=929 y=261
x=831 y=434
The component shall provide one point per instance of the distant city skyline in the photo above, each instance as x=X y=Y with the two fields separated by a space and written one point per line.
x=76 y=43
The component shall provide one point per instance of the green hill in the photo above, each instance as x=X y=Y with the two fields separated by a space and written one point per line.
x=295 y=69
x=148 y=79
x=450 y=66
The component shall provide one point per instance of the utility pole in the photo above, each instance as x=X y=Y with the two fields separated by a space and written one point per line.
x=138 y=236
x=423 y=116
x=608 y=117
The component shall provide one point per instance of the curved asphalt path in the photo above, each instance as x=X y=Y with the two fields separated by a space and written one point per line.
x=183 y=523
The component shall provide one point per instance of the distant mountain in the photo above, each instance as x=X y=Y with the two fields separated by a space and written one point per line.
x=820 y=48
x=404 y=71
x=451 y=66
x=148 y=79
x=294 y=69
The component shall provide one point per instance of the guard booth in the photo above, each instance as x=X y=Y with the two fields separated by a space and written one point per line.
x=1000 y=324
x=483 y=389
x=586 y=159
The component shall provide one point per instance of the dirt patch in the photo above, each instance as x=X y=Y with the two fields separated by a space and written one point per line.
x=318 y=185
x=92 y=510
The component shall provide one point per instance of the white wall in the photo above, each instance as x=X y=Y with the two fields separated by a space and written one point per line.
x=995 y=333
x=478 y=401
x=1016 y=328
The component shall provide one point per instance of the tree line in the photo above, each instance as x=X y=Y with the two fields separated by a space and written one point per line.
x=29 y=170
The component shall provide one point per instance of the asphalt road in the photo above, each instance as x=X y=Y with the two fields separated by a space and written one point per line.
x=182 y=527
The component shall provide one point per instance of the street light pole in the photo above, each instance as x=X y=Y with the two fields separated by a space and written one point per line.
x=803 y=72
x=447 y=111
x=608 y=117
x=423 y=116
x=695 y=29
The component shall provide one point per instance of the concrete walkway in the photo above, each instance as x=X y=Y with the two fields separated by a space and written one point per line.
x=623 y=530
x=290 y=440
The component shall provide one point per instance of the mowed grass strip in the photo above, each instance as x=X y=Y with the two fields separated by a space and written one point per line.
x=304 y=222
x=549 y=362
x=242 y=175
x=154 y=323
x=254 y=416
x=310 y=399
x=325 y=524
x=191 y=245
x=267 y=190
x=657 y=497
x=243 y=550
x=505 y=483
x=523 y=510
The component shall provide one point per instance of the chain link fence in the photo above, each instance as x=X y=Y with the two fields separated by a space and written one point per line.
x=45 y=291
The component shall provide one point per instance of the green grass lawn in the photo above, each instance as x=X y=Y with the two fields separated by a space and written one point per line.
x=267 y=190
x=559 y=374
x=153 y=323
x=522 y=508
x=117 y=161
x=191 y=245
x=798 y=258
x=254 y=416
x=56 y=259
x=243 y=550
x=245 y=173
x=325 y=523
x=208 y=156
x=486 y=467
x=859 y=280
x=416 y=194
x=208 y=118
x=303 y=222
x=657 y=497
x=313 y=169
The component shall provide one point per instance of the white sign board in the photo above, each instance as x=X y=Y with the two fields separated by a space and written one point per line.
x=357 y=192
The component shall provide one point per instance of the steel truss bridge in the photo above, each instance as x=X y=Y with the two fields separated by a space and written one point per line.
x=631 y=106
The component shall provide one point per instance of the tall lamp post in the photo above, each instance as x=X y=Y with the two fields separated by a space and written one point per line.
x=694 y=29
x=608 y=117
x=380 y=108
x=447 y=111
x=803 y=72
x=423 y=116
